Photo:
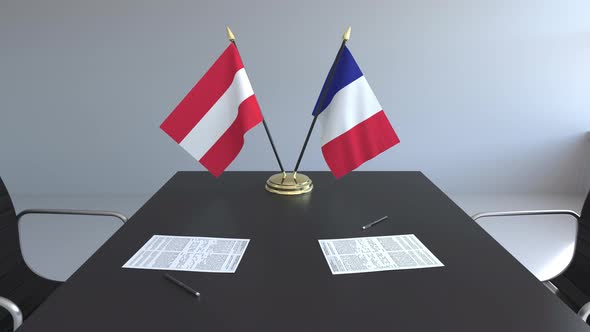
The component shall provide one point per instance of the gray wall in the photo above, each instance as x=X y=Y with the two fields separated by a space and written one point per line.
x=487 y=96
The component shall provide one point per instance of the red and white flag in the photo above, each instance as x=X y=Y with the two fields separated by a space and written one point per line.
x=212 y=119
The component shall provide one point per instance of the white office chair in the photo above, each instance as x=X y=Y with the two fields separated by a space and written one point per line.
x=564 y=259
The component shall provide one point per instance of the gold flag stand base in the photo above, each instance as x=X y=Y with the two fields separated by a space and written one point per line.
x=289 y=184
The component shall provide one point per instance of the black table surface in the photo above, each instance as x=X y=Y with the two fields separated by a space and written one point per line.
x=283 y=282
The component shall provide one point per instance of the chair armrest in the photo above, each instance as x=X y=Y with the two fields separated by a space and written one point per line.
x=524 y=213
x=14 y=310
x=584 y=311
x=73 y=212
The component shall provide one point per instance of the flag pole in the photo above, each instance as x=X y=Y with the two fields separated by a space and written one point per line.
x=323 y=94
x=232 y=39
x=296 y=184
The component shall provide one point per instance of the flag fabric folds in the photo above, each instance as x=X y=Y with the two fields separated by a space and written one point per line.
x=354 y=126
x=212 y=119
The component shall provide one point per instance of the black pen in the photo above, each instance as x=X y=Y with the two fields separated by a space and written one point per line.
x=182 y=285
x=373 y=223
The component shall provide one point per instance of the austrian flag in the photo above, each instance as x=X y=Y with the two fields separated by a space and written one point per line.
x=354 y=126
x=212 y=119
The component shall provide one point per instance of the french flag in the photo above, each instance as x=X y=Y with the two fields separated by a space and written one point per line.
x=354 y=126
x=212 y=119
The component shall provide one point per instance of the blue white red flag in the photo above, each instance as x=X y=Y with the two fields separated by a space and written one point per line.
x=354 y=127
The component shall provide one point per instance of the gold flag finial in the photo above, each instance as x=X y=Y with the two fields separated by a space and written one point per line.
x=346 y=34
x=230 y=35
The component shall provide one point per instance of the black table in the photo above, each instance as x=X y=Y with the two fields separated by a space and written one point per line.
x=283 y=282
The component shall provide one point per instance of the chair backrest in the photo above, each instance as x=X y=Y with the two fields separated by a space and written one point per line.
x=585 y=214
x=17 y=282
x=10 y=252
x=574 y=283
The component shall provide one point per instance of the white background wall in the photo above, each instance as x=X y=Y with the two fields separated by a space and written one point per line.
x=487 y=96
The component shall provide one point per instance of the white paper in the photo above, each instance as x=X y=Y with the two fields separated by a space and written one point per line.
x=189 y=253
x=377 y=253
